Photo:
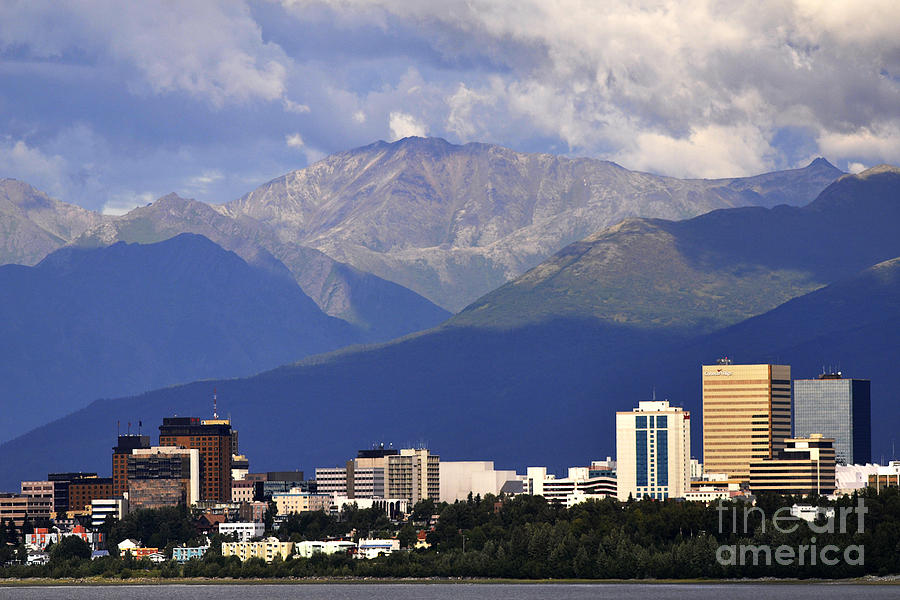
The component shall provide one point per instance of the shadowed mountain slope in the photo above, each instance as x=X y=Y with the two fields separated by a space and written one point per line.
x=89 y=323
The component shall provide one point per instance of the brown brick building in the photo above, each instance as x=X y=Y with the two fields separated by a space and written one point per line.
x=120 y=458
x=212 y=437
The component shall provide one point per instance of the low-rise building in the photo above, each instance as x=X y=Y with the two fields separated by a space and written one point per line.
x=887 y=476
x=183 y=554
x=103 y=508
x=298 y=502
x=805 y=466
x=373 y=548
x=811 y=513
x=307 y=549
x=582 y=483
x=267 y=549
x=244 y=531
x=136 y=550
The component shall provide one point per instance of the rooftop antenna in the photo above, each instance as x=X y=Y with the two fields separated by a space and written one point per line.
x=654 y=393
x=215 y=405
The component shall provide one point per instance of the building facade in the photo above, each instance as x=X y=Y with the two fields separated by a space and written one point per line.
x=154 y=472
x=244 y=531
x=653 y=451
x=121 y=454
x=580 y=484
x=837 y=408
x=297 y=502
x=746 y=415
x=805 y=466
x=40 y=499
x=85 y=489
x=476 y=477
x=213 y=439
x=267 y=550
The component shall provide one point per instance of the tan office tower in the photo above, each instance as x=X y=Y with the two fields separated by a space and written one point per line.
x=746 y=415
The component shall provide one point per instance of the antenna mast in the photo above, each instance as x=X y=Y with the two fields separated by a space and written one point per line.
x=215 y=405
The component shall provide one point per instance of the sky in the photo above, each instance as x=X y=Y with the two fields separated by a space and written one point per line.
x=110 y=106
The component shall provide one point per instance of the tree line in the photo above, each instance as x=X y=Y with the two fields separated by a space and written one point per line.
x=526 y=537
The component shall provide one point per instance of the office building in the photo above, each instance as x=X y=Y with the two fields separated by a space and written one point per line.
x=805 y=466
x=61 y=488
x=412 y=474
x=161 y=476
x=653 y=451
x=581 y=483
x=40 y=499
x=746 y=415
x=476 y=477
x=837 y=408
x=213 y=439
x=121 y=454
x=13 y=507
x=85 y=489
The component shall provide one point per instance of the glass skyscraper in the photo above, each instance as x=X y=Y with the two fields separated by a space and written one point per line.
x=837 y=408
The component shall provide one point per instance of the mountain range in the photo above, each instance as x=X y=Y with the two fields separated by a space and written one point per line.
x=544 y=390
x=454 y=222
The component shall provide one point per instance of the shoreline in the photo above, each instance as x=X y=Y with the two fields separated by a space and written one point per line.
x=100 y=581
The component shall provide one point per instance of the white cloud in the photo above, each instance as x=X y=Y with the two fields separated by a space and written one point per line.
x=873 y=145
x=123 y=203
x=294 y=107
x=31 y=165
x=405 y=125
x=294 y=140
x=207 y=49
x=359 y=117
x=712 y=152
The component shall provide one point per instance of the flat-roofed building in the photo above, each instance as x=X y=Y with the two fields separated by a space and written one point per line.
x=61 y=483
x=746 y=415
x=653 y=451
x=40 y=503
x=297 y=502
x=244 y=531
x=805 y=466
x=121 y=454
x=267 y=549
x=476 y=477
x=161 y=476
x=213 y=439
x=837 y=408
x=103 y=508
x=580 y=484
x=13 y=507
x=85 y=489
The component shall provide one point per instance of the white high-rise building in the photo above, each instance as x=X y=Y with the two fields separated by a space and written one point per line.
x=653 y=447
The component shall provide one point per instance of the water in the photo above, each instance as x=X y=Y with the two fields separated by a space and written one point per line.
x=457 y=591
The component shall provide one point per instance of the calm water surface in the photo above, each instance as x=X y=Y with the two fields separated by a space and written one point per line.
x=463 y=591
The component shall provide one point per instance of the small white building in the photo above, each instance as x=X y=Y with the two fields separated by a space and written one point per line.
x=811 y=513
x=244 y=531
x=373 y=548
x=308 y=548
x=581 y=483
